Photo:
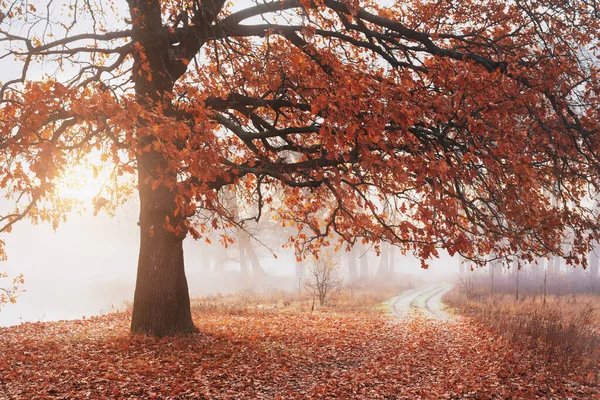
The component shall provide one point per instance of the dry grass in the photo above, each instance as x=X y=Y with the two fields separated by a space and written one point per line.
x=565 y=329
x=365 y=296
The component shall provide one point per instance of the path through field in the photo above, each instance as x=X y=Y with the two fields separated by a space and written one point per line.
x=424 y=301
x=420 y=352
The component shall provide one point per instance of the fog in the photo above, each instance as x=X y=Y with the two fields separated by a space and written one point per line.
x=88 y=267
x=84 y=268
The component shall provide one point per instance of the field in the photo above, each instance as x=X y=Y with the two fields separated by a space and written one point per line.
x=273 y=346
x=563 y=330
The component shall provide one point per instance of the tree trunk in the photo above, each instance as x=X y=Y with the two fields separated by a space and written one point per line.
x=492 y=265
x=352 y=270
x=515 y=273
x=595 y=261
x=161 y=304
x=392 y=268
x=595 y=256
x=594 y=264
x=300 y=274
x=384 y=261
x=243 y=258
x=364 y=263
x=257 y=269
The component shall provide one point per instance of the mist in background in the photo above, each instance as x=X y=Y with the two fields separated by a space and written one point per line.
x=88 y=266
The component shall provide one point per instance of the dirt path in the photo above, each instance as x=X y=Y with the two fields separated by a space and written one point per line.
x=424 y=300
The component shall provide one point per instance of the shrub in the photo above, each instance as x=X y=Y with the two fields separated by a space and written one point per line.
x=323 y=279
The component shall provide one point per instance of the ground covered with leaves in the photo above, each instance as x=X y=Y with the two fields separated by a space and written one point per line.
x=278 y=353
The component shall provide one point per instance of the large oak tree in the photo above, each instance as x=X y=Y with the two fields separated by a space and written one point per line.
x=426 y=124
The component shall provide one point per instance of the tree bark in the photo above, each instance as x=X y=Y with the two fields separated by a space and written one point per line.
x=161 y=304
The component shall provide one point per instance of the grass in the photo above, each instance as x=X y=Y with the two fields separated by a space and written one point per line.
x=366 y=296
x=565 y=330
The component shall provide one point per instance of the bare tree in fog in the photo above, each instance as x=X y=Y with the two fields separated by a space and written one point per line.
x=323 y=278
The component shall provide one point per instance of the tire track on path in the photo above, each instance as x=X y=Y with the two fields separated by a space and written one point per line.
x=426 y=299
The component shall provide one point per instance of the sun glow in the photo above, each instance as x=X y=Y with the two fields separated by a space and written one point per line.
x=82 y=185
x=89 y=182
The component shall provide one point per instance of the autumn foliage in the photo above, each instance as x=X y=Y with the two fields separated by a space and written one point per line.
x=9 y=290
x=468 y=126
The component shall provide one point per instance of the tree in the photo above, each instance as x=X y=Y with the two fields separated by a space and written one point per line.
x=595 y=258
x=384 y=262
x=242 y=237
x=461 y=116
x=352 y=269
x=323 y=278
x=364 y=262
